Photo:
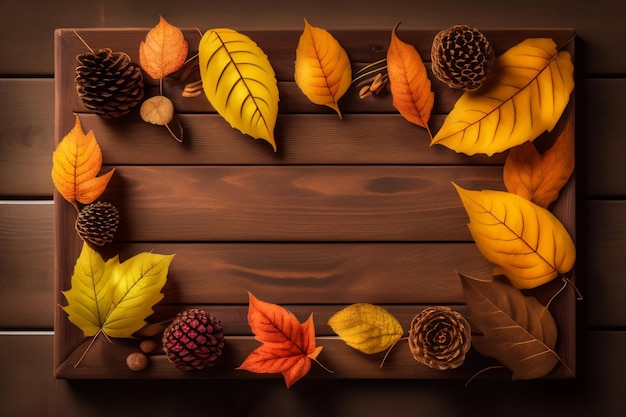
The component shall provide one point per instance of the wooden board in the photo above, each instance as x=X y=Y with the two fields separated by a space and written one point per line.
x=359 y=209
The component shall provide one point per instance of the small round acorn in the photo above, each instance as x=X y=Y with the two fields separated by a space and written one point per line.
x=137 y=361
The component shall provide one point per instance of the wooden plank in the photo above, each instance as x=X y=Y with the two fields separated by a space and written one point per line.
x=27 y=137
x=26 y=265
x=295 y=203
x=605 y=145
x=606 y=288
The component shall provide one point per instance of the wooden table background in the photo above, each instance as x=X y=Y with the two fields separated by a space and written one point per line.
x=27 y=386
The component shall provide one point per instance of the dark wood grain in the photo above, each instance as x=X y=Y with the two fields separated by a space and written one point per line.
x=26 y=265
x=26 y=137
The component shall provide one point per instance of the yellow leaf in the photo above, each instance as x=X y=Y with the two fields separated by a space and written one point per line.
x=163 y=51
x=527 y=242
x=540 y=177
x=76 y=161
x=322 y=69
x=410 y=86
x=114 y=297
x=525 y=95
x=366 y=327
x=138 y=287
x=239 y=82
x=158 y=110
x=90 y=295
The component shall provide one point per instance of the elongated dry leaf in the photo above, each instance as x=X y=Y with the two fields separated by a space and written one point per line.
x=540 y=177
x=76 y=162
x=322 y=69
x=527 y=242
x=516 y=329
x=409 y=82
x=163 y=51
x=366 y=327
x=524 y=95
x=113 y=297
x=239 y=82
x=287 y=345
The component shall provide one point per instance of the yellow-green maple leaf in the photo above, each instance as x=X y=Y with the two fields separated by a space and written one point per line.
x=113 y=297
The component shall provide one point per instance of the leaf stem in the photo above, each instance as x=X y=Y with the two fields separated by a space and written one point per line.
x=93 y=339
x=469 y=381
x=84 y=43
x=389 y=350
x=323 y=367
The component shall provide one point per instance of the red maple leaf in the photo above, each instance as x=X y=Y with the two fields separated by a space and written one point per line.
x=288 y=345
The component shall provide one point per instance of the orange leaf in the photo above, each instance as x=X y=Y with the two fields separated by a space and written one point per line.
x=540 y=177
x=163 y=51
x=76 y=161
x=288 y=346
x=410 y=86
x=322 y=68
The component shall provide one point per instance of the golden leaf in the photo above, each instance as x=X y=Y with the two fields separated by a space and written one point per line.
x=76 y=161
x=239 y=82
x=540 y=177
x=322 y=69
x=527 y=242
x=113 y=297
x=366 y=327
x=410 y=86
x=525 y=95
x=516 y=329
x=163 y=51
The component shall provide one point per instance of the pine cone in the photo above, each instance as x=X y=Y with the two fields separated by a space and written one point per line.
x=461 y=57
x=439 y=337
x=194 y=340
x=108 y=83
x=97 y=223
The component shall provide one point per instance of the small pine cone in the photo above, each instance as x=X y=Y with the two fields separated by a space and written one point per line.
x=194 y=340
x=461 y=57
x=97 y=223
x=108 y=83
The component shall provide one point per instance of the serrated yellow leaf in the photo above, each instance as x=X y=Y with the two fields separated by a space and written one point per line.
x=90 y=295
x=322 y=68
x=76 y=162
x=239 y=82
x=527 y=242
x=366 y=327
x=524 y=95
x=138 y=288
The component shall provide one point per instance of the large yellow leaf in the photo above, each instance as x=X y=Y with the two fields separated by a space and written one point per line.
x=322 y=69
x=527 y=242
x=366 y=327
x=410 y=86
x=76 y=161
x=239 y=82
x=525 y=95
x=113 y=297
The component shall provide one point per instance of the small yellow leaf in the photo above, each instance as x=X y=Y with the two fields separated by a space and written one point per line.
x=366 y=327
x=322 y=69
x=409 y=82
x=527 y=242
x=524 y=95
x=163 y=51
x=239 y=82
x=76 y=161
x=158 y=110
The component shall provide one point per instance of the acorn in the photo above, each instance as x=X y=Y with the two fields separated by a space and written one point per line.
x=97 y=223
x=194 y=340
x=108 y=83
x=461 y=57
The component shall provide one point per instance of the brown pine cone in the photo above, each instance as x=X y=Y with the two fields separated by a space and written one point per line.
x=462 y=57
x=439 y=338
x=97 y=223
x=108 y=83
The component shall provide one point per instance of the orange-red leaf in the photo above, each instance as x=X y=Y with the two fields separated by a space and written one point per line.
x=76 y=163
x=163 y=51
x=288 y=346
x=409 y=82
x=540 y=177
